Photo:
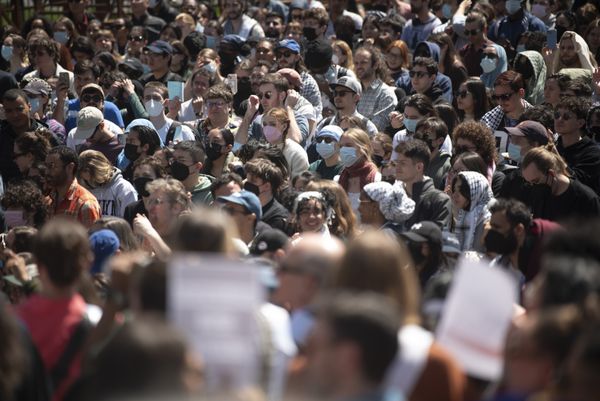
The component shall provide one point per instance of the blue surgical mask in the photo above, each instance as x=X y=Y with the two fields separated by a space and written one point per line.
x=512 y=6
x=146 y=68
x=487 y=65
x=211 y=42
x=7 y=52
x=410 y=124
x=61 y=37
x=348 y=156
x=35 y=104
x=447 y=11
x=326 y=150
x=520 y=48
x=514 y=152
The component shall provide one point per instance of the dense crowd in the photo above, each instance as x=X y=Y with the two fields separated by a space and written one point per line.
x=262 y=200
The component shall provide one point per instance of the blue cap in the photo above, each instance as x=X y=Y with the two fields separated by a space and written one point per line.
x=289 y=44
x=332 y=131
x=160 y=47
x=246 y=199
x=234 y=40
x=104 y=244
x=139 y=122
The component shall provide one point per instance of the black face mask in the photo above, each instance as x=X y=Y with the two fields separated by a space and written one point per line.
x=559 y=32
x=179 y=171
x=499 y=243
x=272 y=33
x=140 y=185
x=244 y=89
x=131 y=152
x=248 y=186
x=213 y=151
x=595 y=133
x=378 y=160
x=309 y=33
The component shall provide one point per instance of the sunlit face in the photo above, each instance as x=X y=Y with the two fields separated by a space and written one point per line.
x=421 y=79
x=218 y=109
x=508 y=99
x=475 y=33
x=269 y=96
x=17 y=112
x=393 y=58
x=551 y=92
x=161 y=212
x=363 y=64
x=265 y=52
x=311 y=216
x=458 y=200
x=406 y=169
x=103 y=44
x=464 y=99
x=21 y=159
x=568 y=52
x=566 y=122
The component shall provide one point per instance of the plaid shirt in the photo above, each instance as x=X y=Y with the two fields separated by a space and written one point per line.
x=311 y=92
x=377 y=102
x=79 y=203
x=495 y=118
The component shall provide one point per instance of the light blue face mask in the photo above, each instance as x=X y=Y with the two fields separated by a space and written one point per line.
x=520 y=48
x=447 y=11
x=7 y=52
x=487 y=65
x=410 y=124
x=146 y=68
x=514 y=152
x=211 y=42
x=348 y=156
x=326 y=150
x=61 y=37
x=35 y=104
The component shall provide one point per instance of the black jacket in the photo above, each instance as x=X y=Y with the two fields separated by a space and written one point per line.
x=583 y=158
x=430 y=205
x=275 y=215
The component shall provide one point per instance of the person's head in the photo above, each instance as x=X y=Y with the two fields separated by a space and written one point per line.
x=136 y=41
x=390 y=29
x=204 y=78
x=343 y=221
x=423 y=74
x=61 y=166
x=245 y=209
x=370 y=64
x=141 y=141
x=314 y=22
x=264 y=178
x=570 y=116
x=127 y=240
x=17 y=45
x=145 y=170
x=92 y=95
x=416 y=108
x=31 y=147
x=43 y=52
x=396 y=56
x=275 y=124
x=275 y=25
x=23 y=204
x=354 y=339
x=432 y=131
x=85 y=73
x=343 y=53
x=167 y=200
x=17 y=109
x=370 y=28
x=469 y=190
x=62 y=251
x=355 y=147
x=509 y=90
x=186 y=23
x=156 y=97
x=312 y=211
x=475 y=27
x=218 y=102
x=472 y=98
x=554 y=86
x=205 y=230
x=476 y=137
x=287 y=53
x=94 y=169
x=541 y=167
x=525 y=136
x=104 y=40
x=272 y=91
x=226 y=184
x=219 y=143
x=346 y=93
x=188 y=159
x=327 y=140
x=159 y=55
x=509 y=224
x=382 y=202
x=233 y=9
x=413 y=158
x=467 y=161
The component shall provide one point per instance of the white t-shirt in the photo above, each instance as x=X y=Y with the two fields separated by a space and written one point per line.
x=186 y=132
x=73 y=143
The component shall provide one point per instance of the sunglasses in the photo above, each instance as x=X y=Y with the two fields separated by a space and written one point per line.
x=418 y=74
x=472 y=32
x=266 y=95
x=284 y=54
x=462 y=94
x=92 y=98
x=503 y=97
x=326 y=139
x=564 y=116
x=137 y=38
x=340 y=93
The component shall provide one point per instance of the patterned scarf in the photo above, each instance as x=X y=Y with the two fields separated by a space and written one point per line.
x=366 y=170
x=468 y=221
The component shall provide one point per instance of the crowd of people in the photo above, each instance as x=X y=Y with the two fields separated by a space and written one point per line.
x=356 y=155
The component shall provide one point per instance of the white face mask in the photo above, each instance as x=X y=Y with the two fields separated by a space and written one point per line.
x=512 y=6
x=154 y=108
x=539 y=10
x=488 y=65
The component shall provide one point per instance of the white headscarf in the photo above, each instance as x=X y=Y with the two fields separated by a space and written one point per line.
x=586 y=58
x=468 y=221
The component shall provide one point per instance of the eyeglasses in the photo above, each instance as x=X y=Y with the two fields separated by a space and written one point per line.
x=91 y=98
x=340 y=93
x=472 y=32
x=216 y=104
x=418 y=74
x=284 y=54
x=267 y=95
x=564 y=116
x=137 y=38
x=504 y=97
x=326 y=139
x=462 y=94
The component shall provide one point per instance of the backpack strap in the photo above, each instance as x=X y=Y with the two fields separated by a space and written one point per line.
x=61 y=369
x=171 y=132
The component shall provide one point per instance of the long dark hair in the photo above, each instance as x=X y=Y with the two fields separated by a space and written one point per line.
x=481 y=103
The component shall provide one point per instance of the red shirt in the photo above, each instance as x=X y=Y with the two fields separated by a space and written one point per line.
x=79 y=203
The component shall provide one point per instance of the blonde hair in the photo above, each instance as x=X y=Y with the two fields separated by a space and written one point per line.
x=186 y=18
x=281 y=116
x=97 y=165
x=173 y=189
x=361 y=140
x=349 y=63
x=393 y=275
x=545 y=159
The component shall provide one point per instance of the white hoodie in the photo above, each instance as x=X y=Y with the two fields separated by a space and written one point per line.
x=115 y=195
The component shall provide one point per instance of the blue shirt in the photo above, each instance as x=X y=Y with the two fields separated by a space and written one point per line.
x=111 y=113
x=512 y=30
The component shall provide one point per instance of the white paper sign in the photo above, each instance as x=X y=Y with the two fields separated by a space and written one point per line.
x=501 y=138
x=477 y=316
x=215 y=302
x=175 y=89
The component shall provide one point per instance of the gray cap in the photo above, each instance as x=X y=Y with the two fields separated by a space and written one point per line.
x=349 y=83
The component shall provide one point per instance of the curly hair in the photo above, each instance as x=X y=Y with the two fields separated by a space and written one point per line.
x=480 y=136
x=26 y=195
x=35 y=142
x=343 y=222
